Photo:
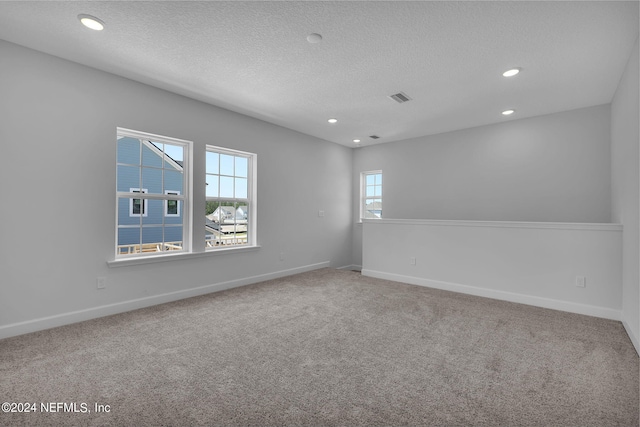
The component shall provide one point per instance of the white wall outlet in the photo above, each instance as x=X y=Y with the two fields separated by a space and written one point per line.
x=101 y=283
x=282 y=256
x=412 y=260
x=321 y=213
x=581 y=281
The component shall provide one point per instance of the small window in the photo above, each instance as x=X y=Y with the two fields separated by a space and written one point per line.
x=138 y=207
x=371 y=195
x=172 y=207
x=230 y=198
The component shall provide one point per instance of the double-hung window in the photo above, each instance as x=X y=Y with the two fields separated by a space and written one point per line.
x=154 y=214
x=371 y=195
x=152 y=193
x=230 y=198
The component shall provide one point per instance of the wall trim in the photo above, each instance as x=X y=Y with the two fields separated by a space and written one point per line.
x=353 y=267
x=62 y=319
x=138 y=259
x=554 y=304
x=501 y=224
x=632 y=337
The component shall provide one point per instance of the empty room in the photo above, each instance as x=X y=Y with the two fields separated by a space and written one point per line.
x=320 y=213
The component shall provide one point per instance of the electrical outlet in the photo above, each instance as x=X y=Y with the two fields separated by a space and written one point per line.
x=282 y=256
x=321 y=213
x=412 y=260
x=101 y=283
x=581 y=281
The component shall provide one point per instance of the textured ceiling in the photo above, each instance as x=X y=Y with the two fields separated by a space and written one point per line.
x=254 y=58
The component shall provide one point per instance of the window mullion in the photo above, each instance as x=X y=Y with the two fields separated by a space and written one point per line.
x=151 y=196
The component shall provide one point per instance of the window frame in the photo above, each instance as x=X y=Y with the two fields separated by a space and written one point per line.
x=143 y=204
x=250 y=201
x=363 y=193
x=166 y=204
x=184 y=198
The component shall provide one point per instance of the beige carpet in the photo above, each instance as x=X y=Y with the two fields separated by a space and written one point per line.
x=328 y=348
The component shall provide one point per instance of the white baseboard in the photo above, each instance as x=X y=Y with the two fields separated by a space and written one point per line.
x=632 y=336
x=49 y=322
x=570 y=307
x=350 y=267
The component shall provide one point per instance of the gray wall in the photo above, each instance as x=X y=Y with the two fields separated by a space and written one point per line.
x=58 y=138
x=530 y=263
x=626 y=189
x=553 y=168
x=58 y=174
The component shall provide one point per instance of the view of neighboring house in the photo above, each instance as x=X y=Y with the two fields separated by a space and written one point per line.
x=152 y=225
x=373 y=209
x=227 y=225
x=148 y=224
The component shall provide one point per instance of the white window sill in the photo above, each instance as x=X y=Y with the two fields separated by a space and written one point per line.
x=361 y=221
x=150 y=259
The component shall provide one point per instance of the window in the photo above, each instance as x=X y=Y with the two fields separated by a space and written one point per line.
x=230 y=198
x=172 y=207
x=152 y=193
x=154 y=214
x=138 y=207
x=371 y=195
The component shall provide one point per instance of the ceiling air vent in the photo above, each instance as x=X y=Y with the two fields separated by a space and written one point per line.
x=374 y=137
x=400 y=97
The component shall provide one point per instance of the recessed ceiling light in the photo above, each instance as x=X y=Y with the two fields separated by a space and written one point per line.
x=333 y=121
x=512 y=72
x=91 y=22
x=508 y=112
x=357 y=141
x=314 y=38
